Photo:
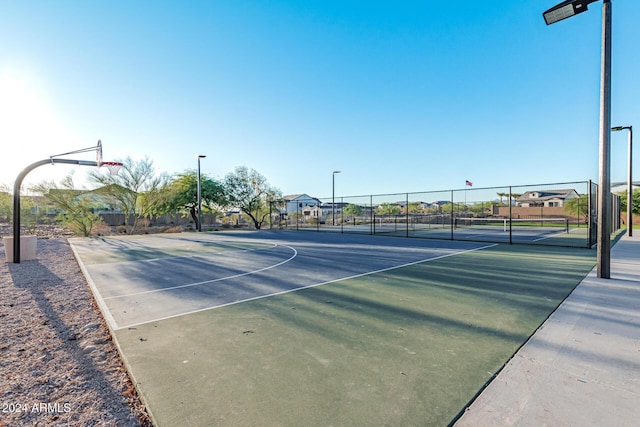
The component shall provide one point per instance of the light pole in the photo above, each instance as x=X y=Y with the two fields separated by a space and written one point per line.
x=630 y=181
x=333 y=197
x=557 y=13
x=199 y=156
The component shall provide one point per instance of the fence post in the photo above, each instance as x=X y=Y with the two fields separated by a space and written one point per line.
x=372 y=228
x=510 y=223
x=451 y=216
x=341 y=215
x=407 y=215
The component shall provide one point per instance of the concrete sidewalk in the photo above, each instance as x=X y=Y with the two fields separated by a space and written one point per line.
x=582 y=367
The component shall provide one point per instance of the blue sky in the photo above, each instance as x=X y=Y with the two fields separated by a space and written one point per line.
x=400 y=96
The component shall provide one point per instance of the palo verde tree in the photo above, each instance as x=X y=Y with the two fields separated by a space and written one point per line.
x=250 y=192
x=181 y=195
x=125 y=190
x=76 y=207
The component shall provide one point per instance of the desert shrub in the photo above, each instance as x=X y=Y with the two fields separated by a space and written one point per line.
x=101 y=229
x=176 y=229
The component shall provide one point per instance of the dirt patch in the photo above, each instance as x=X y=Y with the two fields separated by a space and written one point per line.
x=58 y=364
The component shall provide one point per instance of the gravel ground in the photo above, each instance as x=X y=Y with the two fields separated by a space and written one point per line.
x=58 y=364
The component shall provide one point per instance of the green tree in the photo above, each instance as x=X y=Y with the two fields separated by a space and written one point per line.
x=29 y=214
x=388 y=209
x=250 y=192
x=76 y=206
x=578 y=206
x=635 y=208
x=181 y=195
x=6 y=203
x=351 y=209
x=125 y=190
x=478 y=208
x=414 y=207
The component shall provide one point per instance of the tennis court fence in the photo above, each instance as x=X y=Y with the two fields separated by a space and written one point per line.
x=559 y=214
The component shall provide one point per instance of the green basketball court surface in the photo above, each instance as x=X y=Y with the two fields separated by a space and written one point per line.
x=286 y=328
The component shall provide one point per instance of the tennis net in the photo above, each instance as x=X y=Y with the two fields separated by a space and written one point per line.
x=545 y=225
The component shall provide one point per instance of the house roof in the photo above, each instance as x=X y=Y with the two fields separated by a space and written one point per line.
x=293 y=197
x=546 y=195
x=620 y=187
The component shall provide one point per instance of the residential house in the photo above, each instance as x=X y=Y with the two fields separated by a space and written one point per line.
x=545 y=198
x=297 y=202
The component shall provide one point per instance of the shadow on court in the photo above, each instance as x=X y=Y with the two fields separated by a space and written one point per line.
x=409 y=340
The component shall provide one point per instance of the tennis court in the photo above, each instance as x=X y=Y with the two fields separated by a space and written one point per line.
x=286 y=328
x=547 y=231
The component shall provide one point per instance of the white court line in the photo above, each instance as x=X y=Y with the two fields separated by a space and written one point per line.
x=295 y=253
x=551 y=234
x=473 y=236
x=304 y=287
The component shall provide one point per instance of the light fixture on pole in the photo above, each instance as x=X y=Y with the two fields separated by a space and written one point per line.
x=565 y=10
x=630 y=179
x=199 y=156
x=333 y=197
x=557 y=13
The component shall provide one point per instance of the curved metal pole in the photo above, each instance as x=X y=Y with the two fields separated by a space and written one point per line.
x=16 y=197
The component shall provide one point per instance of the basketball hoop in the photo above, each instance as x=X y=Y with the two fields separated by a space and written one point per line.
x=114 y=167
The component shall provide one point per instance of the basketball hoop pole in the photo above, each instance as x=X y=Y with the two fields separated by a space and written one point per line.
x=16 y=197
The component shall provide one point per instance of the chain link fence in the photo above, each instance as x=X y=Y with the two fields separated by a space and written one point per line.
x=559 y=214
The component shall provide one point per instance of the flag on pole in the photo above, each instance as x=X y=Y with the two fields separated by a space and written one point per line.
x=469 y=183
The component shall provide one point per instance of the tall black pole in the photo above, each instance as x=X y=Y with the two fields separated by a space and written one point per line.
x=199 y=227
x=604 y=202
x=630 y=187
